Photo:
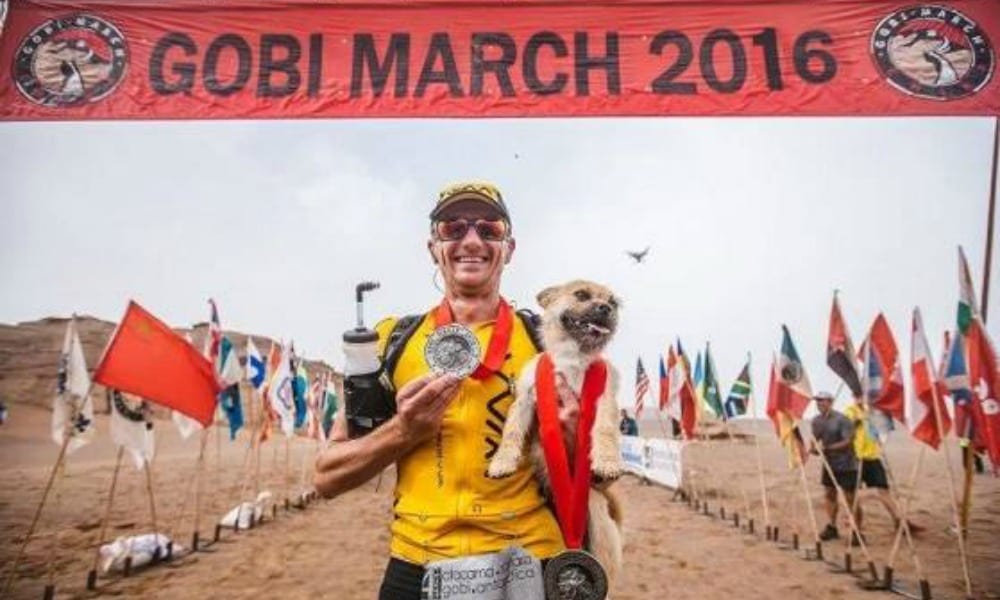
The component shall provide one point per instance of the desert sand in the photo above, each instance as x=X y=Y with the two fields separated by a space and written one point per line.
x=338 y=548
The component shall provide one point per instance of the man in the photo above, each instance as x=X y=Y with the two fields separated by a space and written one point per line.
x=833 y=435
x=445 y=430
x=868 y=451
x=628 y=426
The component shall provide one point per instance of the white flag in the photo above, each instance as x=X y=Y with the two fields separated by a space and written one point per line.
x=279 y=388
x=255 y=369
x=132 y=427
x=72 y=410
x=185 y=424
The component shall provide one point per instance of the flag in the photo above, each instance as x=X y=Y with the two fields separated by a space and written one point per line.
x=641 y=387
x=146 y=358
x=699 y=386
x=213 y=341
x=840 y=351
x=132 y=427
x=256 y=371
x=982 y=411
x=664 y=385
x=279 y=388
x=300 y=387
x=921 y=413
x=329 y=405
x=681 y=401
x=793 y=391
x=72 y=409
x=883 y=375
x=229 y=400
x=739 y=394
x=967 y=306
x=782 y=414
x=185 y=424
x=984 y=377
x=227 y=363
x=713 y=396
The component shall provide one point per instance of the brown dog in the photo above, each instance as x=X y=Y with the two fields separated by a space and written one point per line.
x=579 y=319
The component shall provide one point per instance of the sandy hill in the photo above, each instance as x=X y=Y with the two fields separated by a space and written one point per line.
x=29 y=355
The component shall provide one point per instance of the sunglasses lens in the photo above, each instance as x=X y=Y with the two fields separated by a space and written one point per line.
x=452 y=230
x=492 y=231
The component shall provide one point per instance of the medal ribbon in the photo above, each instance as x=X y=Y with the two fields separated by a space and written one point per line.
x=496 y=350
x=569 y=489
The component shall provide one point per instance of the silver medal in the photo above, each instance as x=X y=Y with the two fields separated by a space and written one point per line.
x=452 y=349
x=575 y=575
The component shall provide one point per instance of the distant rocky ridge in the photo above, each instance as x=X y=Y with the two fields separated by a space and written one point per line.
x=29 y=356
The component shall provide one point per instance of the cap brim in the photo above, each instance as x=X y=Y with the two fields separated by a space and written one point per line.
x=468 y=196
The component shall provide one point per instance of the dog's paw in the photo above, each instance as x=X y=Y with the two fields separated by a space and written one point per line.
x=501 y=467
x=607 y=470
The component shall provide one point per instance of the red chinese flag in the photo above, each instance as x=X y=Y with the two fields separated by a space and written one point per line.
x=147 y=358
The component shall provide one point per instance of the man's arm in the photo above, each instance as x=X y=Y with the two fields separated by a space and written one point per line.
x=420 y=406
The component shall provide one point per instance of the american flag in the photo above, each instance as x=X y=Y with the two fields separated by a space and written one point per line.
x=641 y=387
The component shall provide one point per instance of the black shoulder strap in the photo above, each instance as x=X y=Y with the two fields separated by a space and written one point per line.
x=533 y=323
x=401 y=333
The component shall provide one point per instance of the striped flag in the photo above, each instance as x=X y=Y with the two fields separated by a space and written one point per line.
x=713 y=395
x=922 y=415
x=739 y=394
x=882 y=377
x=214 y=340
x=641 y=387
x=792 y=391
x=785 y=415
x=681 y=401
x=840 y=351
x=664 y=385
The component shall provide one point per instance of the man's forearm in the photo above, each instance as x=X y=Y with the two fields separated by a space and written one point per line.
x=346 y=465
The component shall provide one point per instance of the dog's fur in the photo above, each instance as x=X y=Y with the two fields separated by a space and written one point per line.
x=579 y=319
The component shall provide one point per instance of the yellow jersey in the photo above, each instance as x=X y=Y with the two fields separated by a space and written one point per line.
x=865 y=446
x=445 y=505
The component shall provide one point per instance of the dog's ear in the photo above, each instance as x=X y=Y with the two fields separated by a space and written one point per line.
x=546 y=296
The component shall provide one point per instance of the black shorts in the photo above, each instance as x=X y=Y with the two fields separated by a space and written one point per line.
x=402 y=581
x=873 y=474
x=848 y=480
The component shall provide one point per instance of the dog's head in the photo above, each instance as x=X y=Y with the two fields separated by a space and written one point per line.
x=583 y=312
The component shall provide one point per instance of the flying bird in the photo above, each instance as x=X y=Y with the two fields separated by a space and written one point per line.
x=638 y=256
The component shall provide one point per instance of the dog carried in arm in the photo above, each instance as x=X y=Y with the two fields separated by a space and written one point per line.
x=579 y=319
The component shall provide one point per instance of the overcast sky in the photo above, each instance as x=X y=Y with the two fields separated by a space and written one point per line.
x=752 y=223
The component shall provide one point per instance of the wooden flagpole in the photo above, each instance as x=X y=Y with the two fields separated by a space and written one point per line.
x=760 y=471
x=199 y=476
x=842 y=497
x=60 y=458
x=92 y=575
x=50 y=588
x=288 y=459
x=809 y=507
x=152 y=505
x=904 y=528
x=952 y=496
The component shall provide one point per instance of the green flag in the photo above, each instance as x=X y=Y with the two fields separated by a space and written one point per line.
x=713 y=397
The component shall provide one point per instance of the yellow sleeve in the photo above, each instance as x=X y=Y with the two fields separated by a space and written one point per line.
x=383 y=328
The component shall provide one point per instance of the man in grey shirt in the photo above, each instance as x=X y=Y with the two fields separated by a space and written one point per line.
x=833 y=434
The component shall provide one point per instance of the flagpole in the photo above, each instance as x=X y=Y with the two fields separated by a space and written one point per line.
x=904 y=527
x=850 y=514
x=45 y=495
x=92 y=575
x=152 y=504
x=199 y=477
x=760 y=472
x=952 y=495
x=50 y=588
x=743 y=491
x=809 y=506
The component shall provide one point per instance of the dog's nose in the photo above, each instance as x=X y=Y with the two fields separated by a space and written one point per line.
x=604 y=309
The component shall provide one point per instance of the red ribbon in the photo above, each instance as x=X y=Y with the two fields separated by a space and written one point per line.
x=496 y=350
x=569 y=490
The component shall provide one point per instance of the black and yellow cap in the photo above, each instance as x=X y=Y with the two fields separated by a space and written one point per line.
x=480 y=191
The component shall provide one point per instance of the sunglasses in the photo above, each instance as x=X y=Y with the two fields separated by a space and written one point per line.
x=455 y=229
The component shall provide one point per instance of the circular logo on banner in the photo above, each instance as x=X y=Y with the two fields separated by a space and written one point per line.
x=933 y=52
x=70 y=61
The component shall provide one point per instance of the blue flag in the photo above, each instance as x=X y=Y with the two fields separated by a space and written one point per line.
x=229 y=399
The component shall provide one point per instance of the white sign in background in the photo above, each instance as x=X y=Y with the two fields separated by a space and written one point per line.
x=658 y=460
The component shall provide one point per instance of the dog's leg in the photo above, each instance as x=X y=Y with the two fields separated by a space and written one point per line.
x=605 y=535
x=516 y=427
x=605 y=455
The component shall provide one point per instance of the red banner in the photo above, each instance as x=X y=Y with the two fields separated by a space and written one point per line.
x=182 y=59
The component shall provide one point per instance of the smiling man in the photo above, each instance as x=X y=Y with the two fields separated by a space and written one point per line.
x=446 y=430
